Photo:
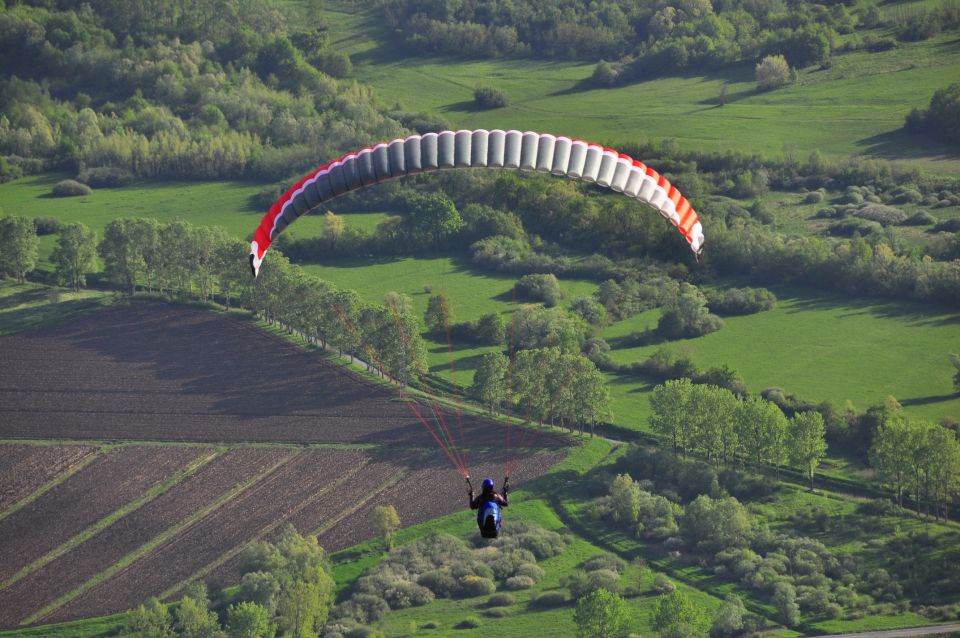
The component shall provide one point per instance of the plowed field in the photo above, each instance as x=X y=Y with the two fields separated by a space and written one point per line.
x=153 y=372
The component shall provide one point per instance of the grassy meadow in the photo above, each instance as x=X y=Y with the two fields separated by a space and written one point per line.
x=860 y=101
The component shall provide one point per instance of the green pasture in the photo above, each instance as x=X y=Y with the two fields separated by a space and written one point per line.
x=818 y=347
x=856 y=107
x=25 y=306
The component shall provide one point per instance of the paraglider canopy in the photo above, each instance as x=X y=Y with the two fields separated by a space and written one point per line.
x=527 y=151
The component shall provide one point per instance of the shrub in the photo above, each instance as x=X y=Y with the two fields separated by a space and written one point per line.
x=363 y=608
x=500 y=600
x=540 y=287
x=849 y=227
x=530 y=570
x=520 y=582
x=922 y=218
x=496 y=613
x=607 y=561
x=948 y=226
x=772 y=72
x=662 y=584
x=405 y=594
x=430 y=624
x=440 y=582
x=829 y=212
x=741 y=301
x=883 y=215
x=813 y=197
x=362 y=631
x=471 y=622
x=549 y=599
x=105 y=177
x=70 y=188
x=907 y=196
x=489 y=98
x=46 y=225
x=473 y=586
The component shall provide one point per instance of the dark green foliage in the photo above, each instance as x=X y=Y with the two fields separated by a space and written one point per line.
x=70 y=188
x=922 y=218
x=106 y=177
x=500 y=600
x=942 y=119
x=490 y=98
x=544 y=287
x=46 y=225
x=687 y=315
x=471 y=622
x=948 y=226
x=883 y=215
x=851 y=227
x=548 y=600
x=740 y=301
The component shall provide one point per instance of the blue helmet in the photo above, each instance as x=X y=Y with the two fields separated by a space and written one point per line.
x=487 y=483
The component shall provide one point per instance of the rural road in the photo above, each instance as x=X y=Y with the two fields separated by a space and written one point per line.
x=898 y=633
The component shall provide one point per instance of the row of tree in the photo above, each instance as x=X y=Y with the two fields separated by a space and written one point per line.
x=545 y=384
x=726 y=429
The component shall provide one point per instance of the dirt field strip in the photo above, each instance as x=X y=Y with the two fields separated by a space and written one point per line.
x=232 y=525
x=116 y=478
x=26 y=467
x=53 y=482
x=130 y=533
x=156 y=542
x=225 y=567
x=111 y=518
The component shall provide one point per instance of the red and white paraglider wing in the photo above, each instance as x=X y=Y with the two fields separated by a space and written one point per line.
x=526 y=151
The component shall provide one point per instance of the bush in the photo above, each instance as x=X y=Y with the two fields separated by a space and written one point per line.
x=548 y=600
x=70 y=188
x=830 y=212
x=500 y=600
x=105 y=177
x=772 y=72
x=540 y=287
x=440 y=582
x=948 y=226
x=907 y=196
x=405 y=594
x=471 y=622
x=662 y=584
x=608 y=561
x=496 y=613
x=363 y=631
x=883 y=215
x=490 y=98
x=46 y=225
x=473 y=586
x=923 y=218
x=849 y=227
x=740 y=301
x=813 y=197
x=430 y=624
x=530 y=570
x=520 y=582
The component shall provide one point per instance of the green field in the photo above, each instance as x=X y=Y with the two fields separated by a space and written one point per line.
x=859 y=103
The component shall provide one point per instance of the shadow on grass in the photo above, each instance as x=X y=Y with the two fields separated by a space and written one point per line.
x=896 y=144
x=914 y=313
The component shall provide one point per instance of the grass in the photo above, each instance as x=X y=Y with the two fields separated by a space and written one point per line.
x=26 y=306
x=859 y=103
x=817 y=346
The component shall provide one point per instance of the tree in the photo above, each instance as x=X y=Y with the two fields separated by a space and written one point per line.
x=772 y=72
x=194 y=620
x=306 y=588
x=434 y=215
x=671 y=411
x=806 y=442
x=123 y=257
x=150 y=620
x=490 y=380
x=728 y=621
x=602 y=614
x=19 y=246
x=249 y=620
x=943 y=116
x=892 y=444
x=333 y=227
x=490 y=98
x=676 y=615
x=439 y=315
x=540 y=287
x=74 y=255
x=761 y=426
x=714 y=525
x=785 y=600
x=625 y=499
x=387 y=521
x=687 y=315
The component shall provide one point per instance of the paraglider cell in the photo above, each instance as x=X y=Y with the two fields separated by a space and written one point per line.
x=368 y=174
x=578 y=156
x=411 y=154
x=395 y=158
x=478 y=148
x=337 y=180
x=545 y=153
x=608 y=164
x=496 y=148
x=528 y=151
x=621 y=174
x=428 y=152
x=462 y=148
x=512 y=144
x=561 y=155
x=351 y=172
x=446 y=151
x=591 y=163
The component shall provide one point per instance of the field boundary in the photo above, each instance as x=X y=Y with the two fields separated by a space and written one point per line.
x=55 y=481
x=152 y=544
x=264 y=531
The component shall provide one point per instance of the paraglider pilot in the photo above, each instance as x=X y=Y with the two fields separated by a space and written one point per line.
x=488 y=506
